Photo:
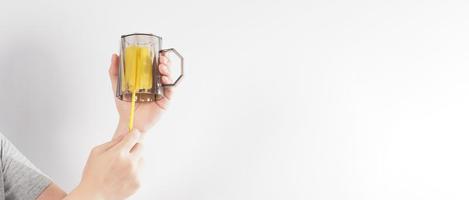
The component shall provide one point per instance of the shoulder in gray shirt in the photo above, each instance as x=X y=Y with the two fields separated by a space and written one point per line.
x=20 y=179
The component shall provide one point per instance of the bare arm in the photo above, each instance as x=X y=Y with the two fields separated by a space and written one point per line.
x=99 y=181
x=52 y=192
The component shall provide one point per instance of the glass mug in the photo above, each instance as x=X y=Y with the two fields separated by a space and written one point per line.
x=138 y=68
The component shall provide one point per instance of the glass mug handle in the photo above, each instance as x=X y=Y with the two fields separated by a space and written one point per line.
x=173 y=51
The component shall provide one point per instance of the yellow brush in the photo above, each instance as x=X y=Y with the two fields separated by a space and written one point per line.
x=138 y=70
x=134 y=99
x=132 y=112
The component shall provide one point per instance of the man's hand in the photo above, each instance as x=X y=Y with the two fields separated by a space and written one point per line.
x=146 y=114
x=112 y=169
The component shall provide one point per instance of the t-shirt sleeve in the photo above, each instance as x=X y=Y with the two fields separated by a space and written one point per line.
x=22 y=180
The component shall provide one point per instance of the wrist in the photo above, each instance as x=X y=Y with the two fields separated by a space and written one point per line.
x=122 y=128
x=85 y=192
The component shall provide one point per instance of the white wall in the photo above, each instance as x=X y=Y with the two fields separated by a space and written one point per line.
x=281 y=100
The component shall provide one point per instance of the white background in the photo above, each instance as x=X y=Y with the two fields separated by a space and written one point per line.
x=281 y=100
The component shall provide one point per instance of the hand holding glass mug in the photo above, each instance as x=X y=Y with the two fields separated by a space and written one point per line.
x=143 y=79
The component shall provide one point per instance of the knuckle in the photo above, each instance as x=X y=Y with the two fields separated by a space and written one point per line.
x=122 y=155
x=94 y=150
x=121 y=158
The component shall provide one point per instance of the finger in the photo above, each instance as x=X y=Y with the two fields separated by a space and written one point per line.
x=103 y=147
x=118 y=135
x=114 y=71
x=164 y=70
x=164 y=59
x=168 y=91
x=136 y=150
x=129 y=141
x=118 y=138
x=110 y=144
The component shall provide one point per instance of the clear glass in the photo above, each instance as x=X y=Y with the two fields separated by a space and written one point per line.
x=138 y=68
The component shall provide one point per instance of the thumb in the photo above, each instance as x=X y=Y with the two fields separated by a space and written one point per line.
x=109 y=145
x=129 y=141
x=114 y=71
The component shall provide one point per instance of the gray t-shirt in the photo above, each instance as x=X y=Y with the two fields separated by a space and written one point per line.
x=20 y=179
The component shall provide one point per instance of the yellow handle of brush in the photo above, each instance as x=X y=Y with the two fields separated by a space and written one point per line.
x=132 y=112
x=134 y=98
x=139 y=68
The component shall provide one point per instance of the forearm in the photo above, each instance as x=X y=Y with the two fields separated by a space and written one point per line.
x=121 y=129
x=52 y=192
x=84 y=192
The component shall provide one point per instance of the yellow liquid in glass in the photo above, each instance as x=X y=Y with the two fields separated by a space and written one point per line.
x=138 y=68
x=138 y=73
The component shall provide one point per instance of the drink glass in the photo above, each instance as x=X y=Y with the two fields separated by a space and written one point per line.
x=138 y=68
